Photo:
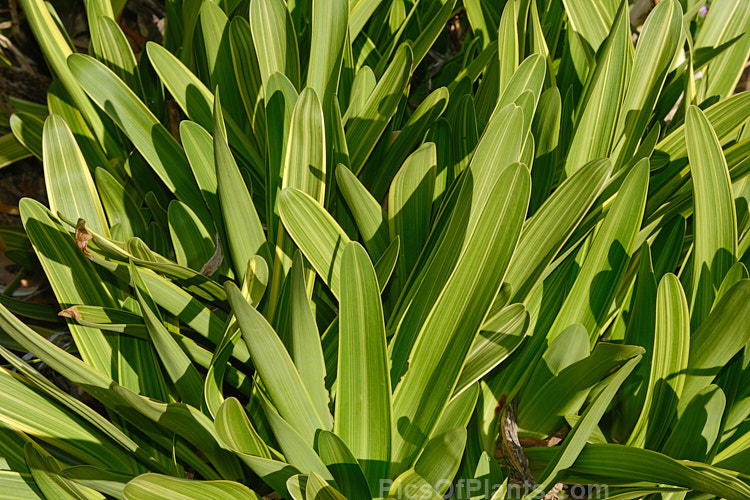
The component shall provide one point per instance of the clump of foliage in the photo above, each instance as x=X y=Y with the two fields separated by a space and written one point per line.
x=326 y=249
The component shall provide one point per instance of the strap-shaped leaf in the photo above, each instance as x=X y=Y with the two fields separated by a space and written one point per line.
x=364 y=130
x=122 y=210
x=575 y=442
x=726 y=20
x=245 y=236
x=363 y=397
x=702 y=417
x=70 y=188
x=618 y=463
x=669 y=362
x=275 y=40
x=591 y=20
x=377 y=175
x=329 y=21
x=193 y=245
x=343 y=466
x=316 y=233
x=441 y=458
x=64 y=263
x=159 y=487
x=56 y=49
x=715 y=243
x=546 y=232
x=318 y=488
x=368 y=214
x=657 y=44
x=24 y=407
x=275 y=368
x=606 y=261
x=498 y=149
x=148 y=135
x=410 y=207
x=197 y=101
x=176 y=363
x=497 y=340
x=601 y=102
x=454 y=320
x=156 y=419
x=707 y=356
x=303 y=341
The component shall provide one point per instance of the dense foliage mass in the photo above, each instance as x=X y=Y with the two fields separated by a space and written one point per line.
x=366 y=249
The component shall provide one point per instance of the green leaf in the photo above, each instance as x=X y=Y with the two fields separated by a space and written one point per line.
x=694 y=434
x=199 y=149
x=432 y=26
x=575 y=441
x=11 y=150
x=245 y=236
x=508 y=46
x=441 y=458
x=304 y=168
x=707 y=356
x=412 y=134
x=316 y=233
x=410 y=482
x=193 y=245
x=554 y=222
x=360 y=12
x=297 y=450
x=197 y=101
x=143 y=412
x=726 y=20
x=247 y=74
x=303 y=341
x=410 y=207
x=156 y=486
x=566 y=391
x=715 y=243
x=497 y=340
x=122 y=210
x=591 y=20
x=606 y=261
x=275 y=368
x=318 y=489
x=27 y=129
x=24 y=407
x=52 y=40
x=19 y=486
x=46 y=472
x=237 y=432
x=499 y=147
x=605 y=91
x=329 y=21
x=343 y=466
x=275 y=40
x=363 y=396
x=657 y=44
x=214 y=58
x=368 y=214
x=152 y=140
x=70 y=188
x=669 y=363
x=178 y=366
x=364 y=129
x=64 y=264
x=60 y=103
x=112 y=49
x=446 y=336
x=625 y=464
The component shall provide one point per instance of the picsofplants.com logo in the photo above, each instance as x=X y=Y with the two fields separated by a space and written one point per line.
x=484 y=488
